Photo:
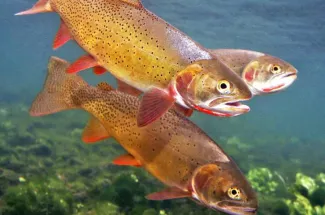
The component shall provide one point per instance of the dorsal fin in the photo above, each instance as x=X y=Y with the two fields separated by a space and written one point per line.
x=135 y=3
x=105 y=86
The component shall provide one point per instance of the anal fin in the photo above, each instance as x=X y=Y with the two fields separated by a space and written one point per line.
x=94 y=131
x=127 y=160
x=62 y=37
x=84 y=62
x=124 y=87
x=154 y=104
x=169 y=193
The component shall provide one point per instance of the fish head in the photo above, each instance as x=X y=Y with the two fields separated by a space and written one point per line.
x=268 y=74
x=224 y=189
x=217 y=90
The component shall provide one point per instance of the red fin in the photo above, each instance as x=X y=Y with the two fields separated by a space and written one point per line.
x=62 y=36
x=98 y=70
x=126 y=160
x=94 y=131
x=42 y=6
x=124 y=87
x=154 y=104
x=84 y=62
x=169 y=193
x=185 y=111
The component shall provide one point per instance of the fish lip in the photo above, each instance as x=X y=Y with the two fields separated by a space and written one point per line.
x=229 y=109
x=237 y=210
x=284 y=81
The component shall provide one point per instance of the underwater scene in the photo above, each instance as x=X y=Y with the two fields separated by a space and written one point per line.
x=257 y=141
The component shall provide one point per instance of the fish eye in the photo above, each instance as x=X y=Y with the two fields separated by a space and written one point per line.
x=275 y=69
x=223 y=87
x=234 y=193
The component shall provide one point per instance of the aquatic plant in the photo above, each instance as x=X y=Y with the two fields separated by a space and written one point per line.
x=47 y=196
x=262 y=180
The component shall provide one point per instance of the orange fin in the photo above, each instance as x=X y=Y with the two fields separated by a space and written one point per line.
x=84 y=62
x=42 y=6
x=98 y=70
x=154 y=104
x=105 y=86
x=169 y=193
x=94 y=131
x=135 y=3
x=185 y=111
x=62 y=37
x=124 y=87
x=127 y=160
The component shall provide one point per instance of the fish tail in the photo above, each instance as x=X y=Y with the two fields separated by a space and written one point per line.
x=42 y=6
x=59 y=91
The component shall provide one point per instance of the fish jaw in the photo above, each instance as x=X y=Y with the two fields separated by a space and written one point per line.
x=281 y=83
x=274 y=85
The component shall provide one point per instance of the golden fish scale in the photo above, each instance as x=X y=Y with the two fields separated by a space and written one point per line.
x=170 y=148
x=130 y=42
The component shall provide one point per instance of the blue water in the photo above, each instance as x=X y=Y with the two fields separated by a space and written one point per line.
x=289 y=29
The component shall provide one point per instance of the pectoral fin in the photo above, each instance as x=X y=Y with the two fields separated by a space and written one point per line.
x=124 y=87
x=84 y=62
x=127 y=160
x=94 y=131
x=62 y=36
x=169 y=193
x=154 y=104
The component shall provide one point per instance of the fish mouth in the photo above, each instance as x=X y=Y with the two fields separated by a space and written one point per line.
x=236 y=209
x=282 y=82
x=228 y=109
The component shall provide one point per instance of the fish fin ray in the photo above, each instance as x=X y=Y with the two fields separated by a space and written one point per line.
x=169 y=193
x=135 y=3
x=154 y=104
x=98 y=70
x=62 y=36
x=58 y=90
x=124 y=87
x=42 y=6
x=84 y=62
x=94 y=131
x=127 y=160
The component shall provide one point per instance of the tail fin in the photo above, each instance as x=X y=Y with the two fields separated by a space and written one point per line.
x=42 y=6
x=58 y=89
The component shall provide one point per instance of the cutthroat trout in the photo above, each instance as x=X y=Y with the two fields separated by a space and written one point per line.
x=172 y=149
x=263 y=73
x=148 y=54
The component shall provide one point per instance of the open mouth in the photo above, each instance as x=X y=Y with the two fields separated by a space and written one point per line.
x=228 y=109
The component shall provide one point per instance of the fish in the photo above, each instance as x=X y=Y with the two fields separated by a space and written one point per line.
x=147 y=54
x=263 y=73
x=173 y=149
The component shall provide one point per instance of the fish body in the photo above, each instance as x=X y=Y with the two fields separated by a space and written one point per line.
x=263 y=73
x=148 y=54
x=172 y=149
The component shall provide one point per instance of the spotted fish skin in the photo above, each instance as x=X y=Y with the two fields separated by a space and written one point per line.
x=131 y=42
x=172 y=149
